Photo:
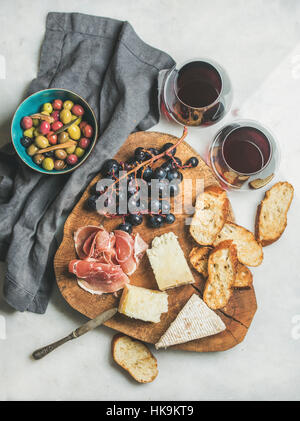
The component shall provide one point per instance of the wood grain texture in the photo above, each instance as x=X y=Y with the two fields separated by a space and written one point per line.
x=241 y=308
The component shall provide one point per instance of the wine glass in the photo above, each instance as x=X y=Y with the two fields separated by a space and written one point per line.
x=244 y=154
x=196 y=93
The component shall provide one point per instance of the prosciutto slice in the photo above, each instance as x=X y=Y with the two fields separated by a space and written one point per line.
x=98 y=278
x=105 y=259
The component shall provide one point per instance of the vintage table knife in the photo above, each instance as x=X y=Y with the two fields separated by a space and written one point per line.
x=91 y=324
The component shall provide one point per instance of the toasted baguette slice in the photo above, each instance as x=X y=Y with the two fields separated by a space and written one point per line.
x=134 y=357
x=199 y=259
x=211 y=211
x=194 y=321
x=222 y=264
x=243 y=278
x=271 y=216
x=249 y=251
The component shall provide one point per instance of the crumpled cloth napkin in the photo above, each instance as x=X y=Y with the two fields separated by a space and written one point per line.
x=104 y=61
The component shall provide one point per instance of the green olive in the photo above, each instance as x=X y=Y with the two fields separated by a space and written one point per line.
x=38 y=158
x=74 y=132
x=41 y=142
x=70 y=149
x=35 y=122
x=79 y=152
x=60 y=154
x=48 y=164
x=65 y=116
x=59 y=164
x=63 y=137
x=29 y=132
x=47 y=107
x=32 y=149
x=68 y=105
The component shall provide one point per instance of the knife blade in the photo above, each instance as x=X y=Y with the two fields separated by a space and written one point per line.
x=86 y=327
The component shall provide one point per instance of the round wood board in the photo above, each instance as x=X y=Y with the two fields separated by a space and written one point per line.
x=237 y=315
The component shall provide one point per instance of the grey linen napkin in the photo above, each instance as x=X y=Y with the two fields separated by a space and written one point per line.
x=104 y=61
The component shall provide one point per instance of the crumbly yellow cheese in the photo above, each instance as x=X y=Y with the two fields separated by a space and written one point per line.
x=196 y=320
x=143 y=304
x=168 y=262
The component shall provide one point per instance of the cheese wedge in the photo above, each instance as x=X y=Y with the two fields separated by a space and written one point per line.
x=194 y=321
x=168 y=262
x=143 y=304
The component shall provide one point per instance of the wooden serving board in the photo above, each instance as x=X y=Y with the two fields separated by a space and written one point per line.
x=237 y=315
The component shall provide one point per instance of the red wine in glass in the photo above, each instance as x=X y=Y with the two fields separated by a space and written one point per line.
x=242 y=152
x=198 y=93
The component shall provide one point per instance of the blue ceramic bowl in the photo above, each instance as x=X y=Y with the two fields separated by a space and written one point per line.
x=32 y=105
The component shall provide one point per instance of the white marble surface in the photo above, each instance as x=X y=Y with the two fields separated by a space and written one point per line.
x=258 y=43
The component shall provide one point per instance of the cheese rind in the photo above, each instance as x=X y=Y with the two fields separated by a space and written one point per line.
x=143 y=304
x=196 y=320
x=168 y=262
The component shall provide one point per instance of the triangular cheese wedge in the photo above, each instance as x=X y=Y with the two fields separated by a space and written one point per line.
x=194 y=321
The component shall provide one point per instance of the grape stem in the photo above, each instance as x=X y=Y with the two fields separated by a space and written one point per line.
x=153 y=159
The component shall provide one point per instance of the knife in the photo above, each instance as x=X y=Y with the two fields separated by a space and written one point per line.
x=90 y=325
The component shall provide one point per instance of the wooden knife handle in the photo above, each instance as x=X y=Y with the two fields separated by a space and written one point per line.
x=40 y=353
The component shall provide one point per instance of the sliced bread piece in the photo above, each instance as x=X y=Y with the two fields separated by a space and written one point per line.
x=211 y=211
x=222 y=264
x=134 y=357
x=194 y=321
x=243 y=277
x=143 y=303
x=271 y=216
x=199 y=259
x=249 y=251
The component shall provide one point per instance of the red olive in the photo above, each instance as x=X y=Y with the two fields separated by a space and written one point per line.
x=52 y=138
x=26 y=123
x=88 y=130
x=56 y=125
x=55 y=115
x=72 y=159
x=57 y=104
x=44 y=127
x=84 y=143
x=77 y=110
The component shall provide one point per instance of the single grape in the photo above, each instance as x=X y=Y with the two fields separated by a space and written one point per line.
x=159 y=173
x=165 y=206
x=135 y=219
x=127 y=227
x=153 y=151
x=110 y=167
x=154 y=205
x=147 y=174
x=139 y=154
x=192 y=162
x=155 y=221
x=167 y=146
x=173 y=175
x=173 y=164
x=91 y=202
x=170 y=218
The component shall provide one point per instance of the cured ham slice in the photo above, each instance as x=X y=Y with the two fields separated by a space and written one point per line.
x=105 y=259
x=125 y=252
x=98 y=278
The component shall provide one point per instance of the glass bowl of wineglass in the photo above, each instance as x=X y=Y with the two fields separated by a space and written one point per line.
x=196 y=93
x=244 y=155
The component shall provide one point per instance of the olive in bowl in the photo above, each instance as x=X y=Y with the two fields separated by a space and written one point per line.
x=49 y=143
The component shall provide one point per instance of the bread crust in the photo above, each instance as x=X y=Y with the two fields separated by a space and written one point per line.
x=258 y=222
x=248 y=260
x=227 y=244
x=215 y=191
x=120 y=336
